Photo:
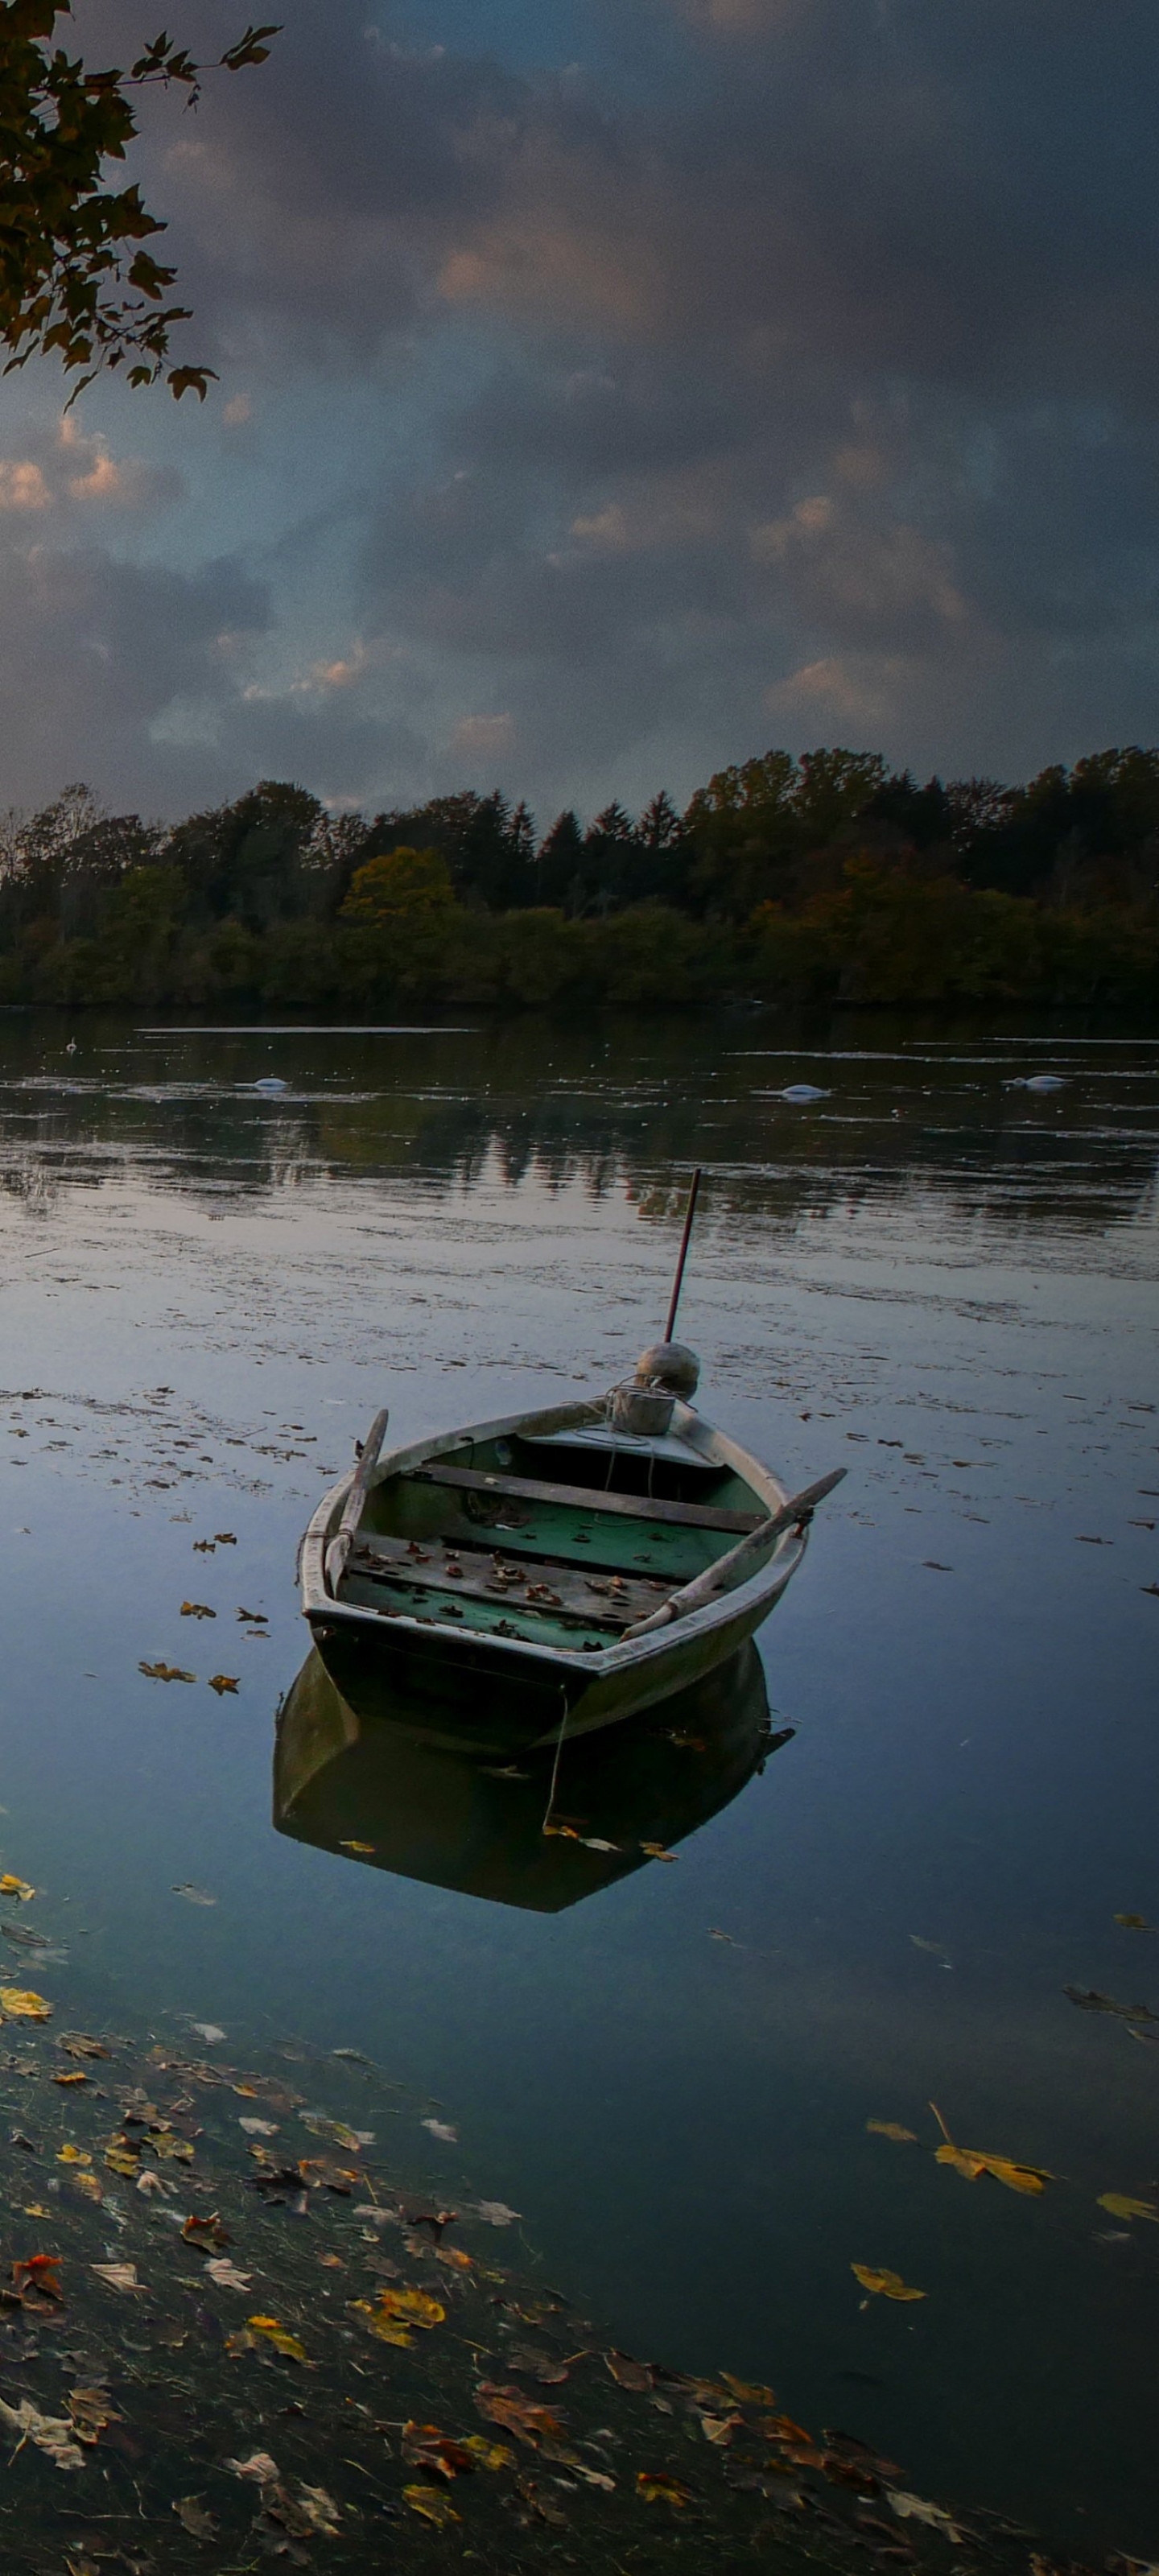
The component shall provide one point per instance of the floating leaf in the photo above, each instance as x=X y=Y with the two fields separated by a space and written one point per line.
x=194 y=1895
x=222 y=1682
x=120 y=2276
x=657 y=2489
x=746 y=2393
x=886 y=2284
x=18 y=1887
x=442 y=2129
x=974 y=2161
x=1088 y=1999
x=123 y=2159
x=53 y=2434
x=197 y=1610
x=91 y=2409
x=488 y=2455
x=226 y=2274
x=495 y=2213
x=1129 y=1922
x=259 y=2128
x=36 y=2282
x=628 y=2373
x=656 y=1851
x=398 y=2312
x=280 y=2337
x=70 y=2155
x=892 y=2129
x=424 y=2447
x=259 y=2467
x=209 y=2031
x=165 y=1673
x=912 y=2508
x=433 y=2506
x=77 y=2043
x=516 y=2413
x=1121 y=2205
x=194 y=2519
x=319 y=2510
x=17 y=2003
x=349 y=1844
x=70 y=2079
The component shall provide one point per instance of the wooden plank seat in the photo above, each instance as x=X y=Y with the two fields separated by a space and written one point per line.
x=536 y=1489
x=560 y=1592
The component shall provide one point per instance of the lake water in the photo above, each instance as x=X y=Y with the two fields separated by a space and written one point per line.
x=932 y=1277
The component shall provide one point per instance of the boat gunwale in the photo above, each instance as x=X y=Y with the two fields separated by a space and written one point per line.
x=319 y=1605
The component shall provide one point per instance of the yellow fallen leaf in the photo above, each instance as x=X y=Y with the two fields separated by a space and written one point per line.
x=36 y=2209
x=18 y=2004
x=349 y=1844
x=1121 y=2205
x=433 y=2506
x=121 y=2160
x=398 y=2312
x=656 y=1851
x=10 y=1886
x=70 y=2155
x=490 y=2455
x=973 y=2161
x=746 y=2394
x=89 y=2184
x=891 y=2129
x=655 y=2489
x=280 y=2337
x=221 y=1682
x=888 y=2285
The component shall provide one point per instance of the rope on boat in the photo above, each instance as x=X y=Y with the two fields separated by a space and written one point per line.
x=546 y=1826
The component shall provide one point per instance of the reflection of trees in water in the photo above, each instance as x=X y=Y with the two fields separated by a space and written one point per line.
x=522 y=1103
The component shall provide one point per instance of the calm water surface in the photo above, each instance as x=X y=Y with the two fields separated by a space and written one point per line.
x=942 y=1282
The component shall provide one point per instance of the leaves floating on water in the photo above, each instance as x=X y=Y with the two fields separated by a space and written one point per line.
x=1121 y=2205
x=195 y=1895
x=36 y=2282
x=165 y=1673
x=222 y=1682
x=226 y=2274
x=280 y=2337
x=442 y=2129
x=912 y=2508
x=1136 y=1923
x=424 y=2447
x=885 y=2284
x=432 y=2504
x=495 y=2213
x=657 y=2489
x=656 y=1851
x=194 y=2519
x=892 y=2129
x=78 y=2043
x=119 y=2276
x=197 y=1610
x=348 y=1843
x=18 y=2003
x=1089 y=2000
x=259 y=2467
x=517 y=2414
x=972 y=2162
x=53 y=2434
x=398 y=2312
x=18 y=1887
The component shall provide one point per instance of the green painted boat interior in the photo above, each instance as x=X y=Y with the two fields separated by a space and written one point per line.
x=570 y=1536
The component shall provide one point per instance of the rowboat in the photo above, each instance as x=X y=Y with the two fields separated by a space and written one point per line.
x=557 y=1569
x=389 y=1784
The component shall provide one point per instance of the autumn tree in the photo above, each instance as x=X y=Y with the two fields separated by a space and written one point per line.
x=78 y=278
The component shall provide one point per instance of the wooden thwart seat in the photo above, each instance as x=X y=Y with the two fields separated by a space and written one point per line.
x=537 y=1587
x=536 y=1489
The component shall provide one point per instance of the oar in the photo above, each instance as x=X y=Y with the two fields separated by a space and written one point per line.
x=682 y=1256
x=734 y=1568
x=343 y=1539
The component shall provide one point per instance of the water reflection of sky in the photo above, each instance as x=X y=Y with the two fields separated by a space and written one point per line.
x=943 y=1283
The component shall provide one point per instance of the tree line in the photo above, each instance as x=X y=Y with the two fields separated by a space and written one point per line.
x=825 y=878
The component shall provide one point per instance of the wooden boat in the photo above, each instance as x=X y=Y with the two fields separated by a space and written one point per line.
x=390 y=1784
x=556 y=1569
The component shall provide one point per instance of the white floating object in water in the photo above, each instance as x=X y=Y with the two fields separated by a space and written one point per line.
x=270 y=1082
x=1038 y=1082
x=802 y=1091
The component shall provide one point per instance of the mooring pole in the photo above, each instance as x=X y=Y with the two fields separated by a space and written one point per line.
x=685 y=1240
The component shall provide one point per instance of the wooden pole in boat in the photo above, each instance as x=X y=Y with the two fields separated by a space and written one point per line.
x=685 y=1240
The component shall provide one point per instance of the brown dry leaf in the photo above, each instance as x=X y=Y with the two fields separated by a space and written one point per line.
x=433 y=2506
x=77 y=2043
x=543 y=2366
x=719 y=2429
x=349 y=1844
x=169 y=2147
x=36 y=2282
x=205 y=2231
x=745 y=2393
x=165 y=1673
x=656 y=1851
x=1121 y=2205
x=638 y=2375
x=221 y=1682
x=1134 y=1923
x=319 y=2511
x=77 y=2078
x=399 y=2311
x=424 y=2447
x=280 y=2337
x=516 y=2413
x=52 y=2434
x=90 y=2185
x=91 y=2409
x=259 y=2467
x=781 y=2428
x=120 y=2276
x=121 y=2158
x=657 y=2489
x=226 y=2274
x=891 y=2129
x=194 y=2519
x=197 y=1610
x=224 y=1538
x=18 y=1887
x=454 y=2258
x=18 y=2003
x=886 y=2284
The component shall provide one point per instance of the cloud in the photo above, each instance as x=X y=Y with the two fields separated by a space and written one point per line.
x=22 y=486
x=483 y=737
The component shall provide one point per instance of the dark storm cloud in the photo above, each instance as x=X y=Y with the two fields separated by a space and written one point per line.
x=806 y=389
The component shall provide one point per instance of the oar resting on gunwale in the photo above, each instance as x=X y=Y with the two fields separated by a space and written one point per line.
x=741 y=1560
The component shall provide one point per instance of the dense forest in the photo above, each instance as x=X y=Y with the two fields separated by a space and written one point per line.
x=828 y=878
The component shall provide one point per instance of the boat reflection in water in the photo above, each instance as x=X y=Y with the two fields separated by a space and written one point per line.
x=399 y=1796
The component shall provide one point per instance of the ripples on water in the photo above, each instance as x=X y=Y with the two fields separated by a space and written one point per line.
x=944 y=1283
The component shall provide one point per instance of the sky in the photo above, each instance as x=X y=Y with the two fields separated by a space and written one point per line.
x=609 y=390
